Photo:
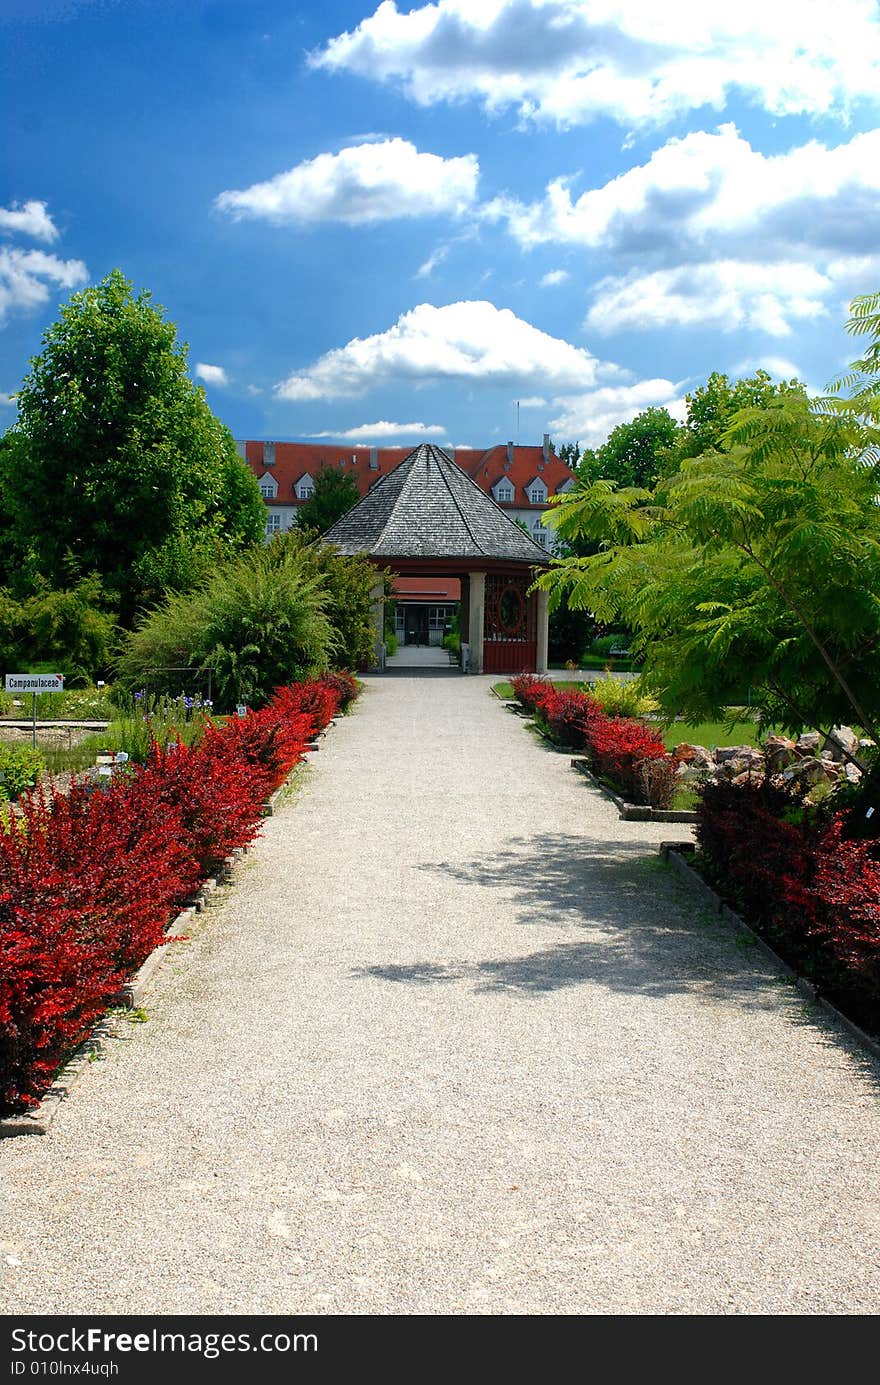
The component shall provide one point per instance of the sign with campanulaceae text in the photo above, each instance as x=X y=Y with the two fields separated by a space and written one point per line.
x=34 y=682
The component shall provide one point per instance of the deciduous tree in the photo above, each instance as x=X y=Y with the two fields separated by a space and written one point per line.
x=116 y=465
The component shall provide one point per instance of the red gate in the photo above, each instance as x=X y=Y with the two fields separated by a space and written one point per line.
x=510 y=626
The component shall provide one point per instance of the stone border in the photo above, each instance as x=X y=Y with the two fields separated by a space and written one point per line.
x=633 y=812
x=131 y=995
x=676 y=854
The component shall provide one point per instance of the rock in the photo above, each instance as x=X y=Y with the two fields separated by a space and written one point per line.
x=732 y=752
x=812 y=770
x=779 y=752
x=852 y=773
x=808 y=744
x=692 y=774
x=867 y=744
x=698 y=755
x=747 y=761
x=840 y=736
x=746 y=777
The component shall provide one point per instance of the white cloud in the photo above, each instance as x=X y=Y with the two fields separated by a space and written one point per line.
x=7 y=401
x=254 y=389
x=552 y=278
x=634 y=61
x=714 y=191
x=361 y=184
x=25 y=276
x=534 y=401
x=591 y=417
x=727 y=295
x=468 y=341
x=688 y=223
x=779 y=366
x=365 y=432
x=211 y=374
x=435 y=258
x=30 y=220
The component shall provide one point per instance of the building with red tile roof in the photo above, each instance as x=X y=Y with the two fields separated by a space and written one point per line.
x=521 y=479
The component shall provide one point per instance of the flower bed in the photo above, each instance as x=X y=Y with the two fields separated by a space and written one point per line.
x=801 y=881
x=621 y=749
x=90 y=881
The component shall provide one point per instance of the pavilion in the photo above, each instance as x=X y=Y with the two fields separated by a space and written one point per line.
x=427 y=517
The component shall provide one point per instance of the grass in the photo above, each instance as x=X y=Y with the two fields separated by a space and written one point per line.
x=712 y=734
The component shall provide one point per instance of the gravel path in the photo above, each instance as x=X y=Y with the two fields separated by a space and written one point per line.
x=455 y=1042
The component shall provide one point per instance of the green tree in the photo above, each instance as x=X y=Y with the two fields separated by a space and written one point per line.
x=334 y=495
x=568 y=452
x=636 y=453
x=710 y=409
x=754 y=566
x=116 y=465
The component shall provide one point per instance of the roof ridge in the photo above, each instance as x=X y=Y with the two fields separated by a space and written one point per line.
x=454 y=498
x=394 y=472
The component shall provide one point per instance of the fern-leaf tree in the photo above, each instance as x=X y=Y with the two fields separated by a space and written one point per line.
x=754 y=570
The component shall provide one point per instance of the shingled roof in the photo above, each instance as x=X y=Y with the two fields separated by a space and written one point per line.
x=427 y=507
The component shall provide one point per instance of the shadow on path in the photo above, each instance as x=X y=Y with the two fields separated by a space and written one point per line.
x=636 y=936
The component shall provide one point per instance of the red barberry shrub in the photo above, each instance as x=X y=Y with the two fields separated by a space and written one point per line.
x=566 y=714
x=318 y=700
x=796 y=877
x=89 y=881
x=618 y=747
x=345 y=686
x=526 y=687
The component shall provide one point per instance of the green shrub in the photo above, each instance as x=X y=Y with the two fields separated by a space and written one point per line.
x=391 y=642
x=348 y=583
x=20 y=767
x=623 y=699
x=259 y=622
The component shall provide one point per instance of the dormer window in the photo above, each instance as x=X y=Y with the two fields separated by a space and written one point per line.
x=268 y=487
x=504 y=494
x=537 y=492
x=305 y=487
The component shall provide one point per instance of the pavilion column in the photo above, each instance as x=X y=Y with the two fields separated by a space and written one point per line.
x=543 y=631
x=377 y=619
x=476 y=605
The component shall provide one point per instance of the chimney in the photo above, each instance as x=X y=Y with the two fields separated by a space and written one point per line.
x=545 y=447
x=510 y=453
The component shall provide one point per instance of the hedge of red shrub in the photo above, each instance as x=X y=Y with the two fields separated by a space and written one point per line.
x=796 y=875
x=89 y=881
x=620 y=749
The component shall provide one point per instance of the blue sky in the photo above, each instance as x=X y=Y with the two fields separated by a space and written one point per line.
x=383 y=223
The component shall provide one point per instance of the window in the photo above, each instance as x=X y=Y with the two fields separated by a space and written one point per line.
x=504 y=494
x=537 y=495
x=273 y=524
x=268 y=454
x=267 y=490
x=306 y=492
x=539 y=534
